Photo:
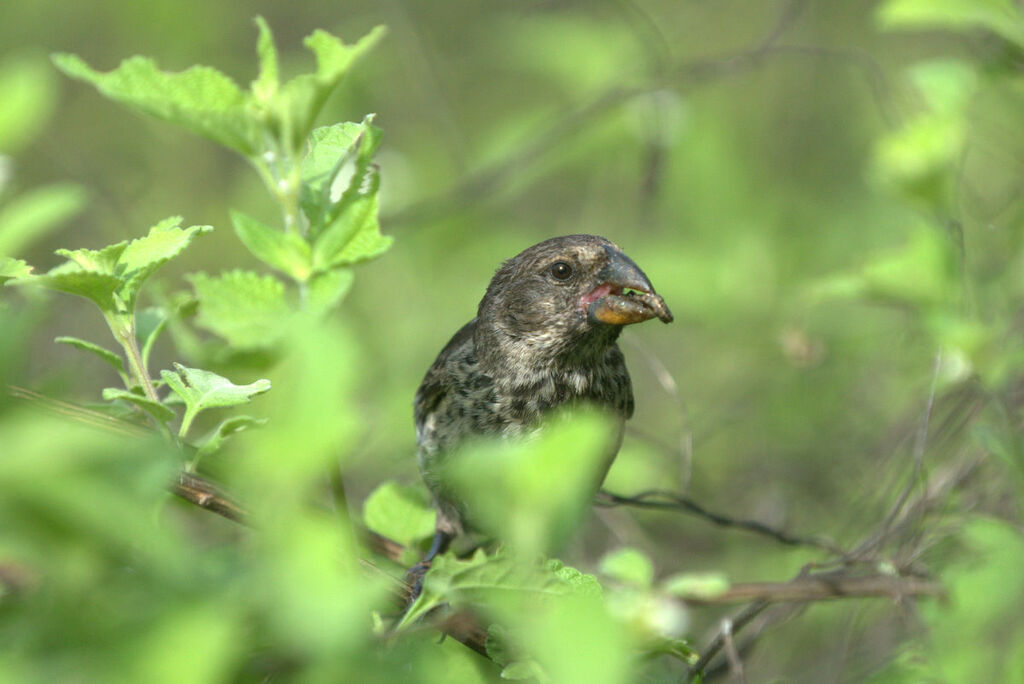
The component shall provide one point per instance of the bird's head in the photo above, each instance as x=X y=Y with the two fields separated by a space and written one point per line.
x=566 y=292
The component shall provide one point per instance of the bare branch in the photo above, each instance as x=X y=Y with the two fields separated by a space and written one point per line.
x=663 y=500
x=737 y=623
x=205 y=494
x=826 y=586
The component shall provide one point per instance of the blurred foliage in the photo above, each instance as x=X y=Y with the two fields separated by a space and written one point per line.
x=826 y=194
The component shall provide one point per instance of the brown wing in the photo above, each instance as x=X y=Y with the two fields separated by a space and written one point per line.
x=435 y=386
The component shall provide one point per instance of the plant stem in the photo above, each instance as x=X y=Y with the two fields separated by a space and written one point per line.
x=186 y=423
x=124 y=333
x=123 y=328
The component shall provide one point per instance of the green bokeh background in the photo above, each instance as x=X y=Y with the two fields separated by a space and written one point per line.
x=727 y=147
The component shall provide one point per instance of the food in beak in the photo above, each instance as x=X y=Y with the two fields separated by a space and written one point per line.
x=615 y=308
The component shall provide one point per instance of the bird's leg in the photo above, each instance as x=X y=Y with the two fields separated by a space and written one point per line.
x=416 y=573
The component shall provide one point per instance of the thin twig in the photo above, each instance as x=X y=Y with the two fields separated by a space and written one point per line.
x=920 y=442
x=731 y=654
x=79 y=413
x=671 y=388
x=825 y=586
x=735 y=625
x=664 y=500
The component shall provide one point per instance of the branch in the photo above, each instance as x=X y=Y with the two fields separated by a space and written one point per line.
x=665 y=500
x=826 y=586
x=805 y=589
x=207 y=495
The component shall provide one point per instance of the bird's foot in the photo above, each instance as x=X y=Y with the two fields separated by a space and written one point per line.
x=414 y=578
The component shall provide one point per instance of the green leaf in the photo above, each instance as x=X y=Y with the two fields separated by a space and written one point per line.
x=30 y=94
x=693 y=585
x=302 y=97
x=923 y=157
x=149 y=323
x=1002 y=17
x=919 y=273
x=533 y=493
x=201 y=99
x=629 y=566
x=352 y=237
x=110 y=357
x=145 y=255
x=286 y=252
x=483 y=578
x=112 y=276
x=523 y=669
x=332 y=151
x=96 y=260
x=11 y=269
x=30 y=215
x=202 y=389
x=153 y=408
x=400 y=513
x=246 y=309
x=264 y=88
x=327 y=289
x=229 y=426
x=69 y=278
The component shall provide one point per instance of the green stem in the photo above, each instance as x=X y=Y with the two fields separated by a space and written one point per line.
x=124 y=333
x=123 y=328
x=186 y=423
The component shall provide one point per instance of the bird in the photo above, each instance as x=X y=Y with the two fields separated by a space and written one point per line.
x=544 y=336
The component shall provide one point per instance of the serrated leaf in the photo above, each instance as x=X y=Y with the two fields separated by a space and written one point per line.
x=303 y=96
x=327 y=289
x=96 y=260
x=581 y=583
x=229 y=426
x=694 y=585
x=153 y=408
x=339 y=155
x=112 y=276
x=202 y=389
x=352 y=237
x=145 y=255
x=11 y=269
x=400 y=513
x=629 y=566
x=28 y=216
x=69 y=278
x=246 y=309
x=108 y=356
x=1002 y=17
x=474 y=580
x=286 y=252
x=200 y=99
x=264 y=88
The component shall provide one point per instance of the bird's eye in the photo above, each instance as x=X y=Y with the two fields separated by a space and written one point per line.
x=561 y=270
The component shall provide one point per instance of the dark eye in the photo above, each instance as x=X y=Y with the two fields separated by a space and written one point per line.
x=561 y=270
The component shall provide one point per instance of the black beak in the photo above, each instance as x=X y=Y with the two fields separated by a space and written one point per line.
x=613 y=307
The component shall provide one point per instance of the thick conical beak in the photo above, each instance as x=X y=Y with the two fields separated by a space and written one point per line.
x=609 y=304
